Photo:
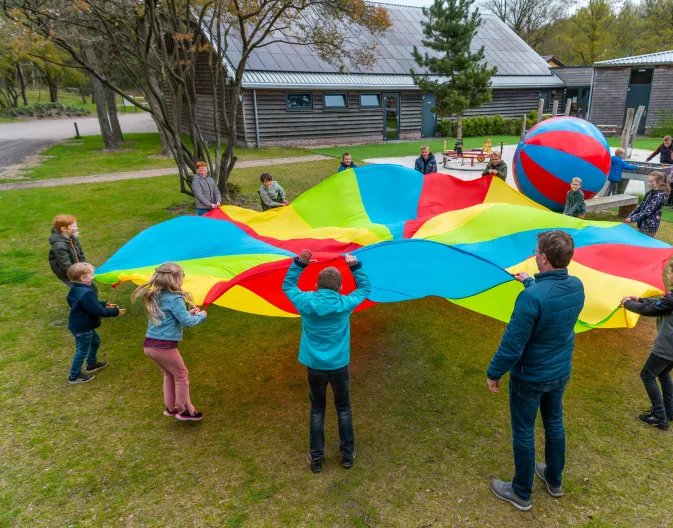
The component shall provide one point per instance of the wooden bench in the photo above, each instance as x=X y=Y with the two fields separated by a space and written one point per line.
x=608 y=130
x=625 y=202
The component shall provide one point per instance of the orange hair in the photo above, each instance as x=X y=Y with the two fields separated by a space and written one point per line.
x=63 y=220
x=200 y=164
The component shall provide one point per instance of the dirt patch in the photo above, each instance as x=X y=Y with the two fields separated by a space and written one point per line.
x=17 y=172
x=115 y=151
x=159 y=157
x=182 y=210
x=128 y=142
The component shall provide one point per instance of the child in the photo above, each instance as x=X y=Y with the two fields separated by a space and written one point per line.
x=496 y=167
x=271 y=193
x=346 y=162
x=65 y=248
x=575 y=205
x=325 y=348
x=660 y=362
x=85 y=313
x=648 y=213
x=206 y=194
x=426 y=162
x=164 y=302
x=617 y=165
x=665 y=151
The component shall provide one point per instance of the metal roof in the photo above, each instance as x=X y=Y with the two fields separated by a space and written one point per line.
x=502 y=48
x=662 y=57
x=358 y=81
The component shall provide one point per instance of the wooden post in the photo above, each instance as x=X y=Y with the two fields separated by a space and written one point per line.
x=540 y=109
x=626 y=131
x=634 y=131
x=554 y=111
x=523 y=126
x=569 y=103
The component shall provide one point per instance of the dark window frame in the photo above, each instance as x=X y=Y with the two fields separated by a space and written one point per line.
x=366 y=107
x=298 y=109
x=333 y=108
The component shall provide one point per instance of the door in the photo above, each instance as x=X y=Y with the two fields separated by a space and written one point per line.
x=544 y=94
x=638 y=94
x=391 y=116
x=429 y=126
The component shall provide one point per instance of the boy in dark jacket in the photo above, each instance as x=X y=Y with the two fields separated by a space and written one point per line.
x=575 y=205
x=85 y=313
x=537 y=350
x=496 y=167
x=325 y=348
x=65 y=247
x=426 y=162
x=660 y=362
x=665 y=151
x=346 y=162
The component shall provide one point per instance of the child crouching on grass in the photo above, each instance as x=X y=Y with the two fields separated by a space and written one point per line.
x=164 y=303
x=575 y=205
x=660 y=362
x=648 y=213
x=271 y=193
x=85 y=313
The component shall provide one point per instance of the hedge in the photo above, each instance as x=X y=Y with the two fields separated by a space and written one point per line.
x=46 y=110
x=487 y=126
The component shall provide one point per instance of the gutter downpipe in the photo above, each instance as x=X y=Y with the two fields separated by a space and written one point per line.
x=591 y=93
x=254 y=104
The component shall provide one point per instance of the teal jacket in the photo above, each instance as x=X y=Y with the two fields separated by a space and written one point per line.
x=539 y=340
x=175 y=317
x=325 y=319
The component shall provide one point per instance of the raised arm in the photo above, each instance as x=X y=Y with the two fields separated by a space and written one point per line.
x=181 y=314
x=297 y=297
x=364 y=290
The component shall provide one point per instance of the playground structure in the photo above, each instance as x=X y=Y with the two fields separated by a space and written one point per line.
x=458 y=153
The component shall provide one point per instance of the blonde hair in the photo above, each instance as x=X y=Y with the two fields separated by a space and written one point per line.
x=661 y=180
x=668 y=138
x=63 y=220
x=78 y=270
x=619 y=152
x=496 y=154
x=576 y=178
x=165 y=278
x=425 y=147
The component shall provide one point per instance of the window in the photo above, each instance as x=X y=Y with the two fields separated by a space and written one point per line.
x=299 y=101
x=642 y=76
x=335 y=102
x=370 y=100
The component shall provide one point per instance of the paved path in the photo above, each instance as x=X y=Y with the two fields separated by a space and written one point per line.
x=13 y=151
x=152 y=173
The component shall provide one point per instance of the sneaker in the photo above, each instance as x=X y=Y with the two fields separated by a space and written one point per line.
x=96 y=366
x=315 y=463
x=648 y=412
x=170 y=413
x=187 y=416
x=554 y=491
x=81 y=378
x=504 y=491
x=650 y=419
x=347 y=461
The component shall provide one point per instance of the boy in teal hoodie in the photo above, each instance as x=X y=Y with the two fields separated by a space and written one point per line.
x=325 y=348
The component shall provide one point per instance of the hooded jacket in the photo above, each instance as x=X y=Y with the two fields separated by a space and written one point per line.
x=428 y=166
x=325 y=318
x=343 y=167
x=662 y=309
x=85 y=308
x=648 y=213
x=205 y=192
x=617 y=165
x=64 y=252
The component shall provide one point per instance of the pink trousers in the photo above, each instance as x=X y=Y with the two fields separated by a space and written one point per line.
x=176 y=377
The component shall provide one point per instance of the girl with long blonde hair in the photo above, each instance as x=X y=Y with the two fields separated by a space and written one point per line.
x=164 y=301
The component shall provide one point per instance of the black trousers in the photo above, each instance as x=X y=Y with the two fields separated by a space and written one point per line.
x=656 y=367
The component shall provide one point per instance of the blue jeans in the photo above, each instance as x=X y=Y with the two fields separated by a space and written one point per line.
x=317 y=390
x=201 y=212
x=86 y=346
x=525 y=398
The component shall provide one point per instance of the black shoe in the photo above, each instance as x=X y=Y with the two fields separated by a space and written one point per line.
x=347 y=461
x=81 y=378
x=650 y=419
x=186 y=416
x=315 y=463
x=648 y=412
x=168 y=412
x=96 y=366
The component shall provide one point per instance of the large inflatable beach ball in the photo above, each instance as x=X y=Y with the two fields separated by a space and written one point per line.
x=554 y=152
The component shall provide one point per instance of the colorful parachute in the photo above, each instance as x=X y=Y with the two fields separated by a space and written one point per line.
x=416 y=236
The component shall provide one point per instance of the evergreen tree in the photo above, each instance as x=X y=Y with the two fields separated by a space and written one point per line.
x=459 y=78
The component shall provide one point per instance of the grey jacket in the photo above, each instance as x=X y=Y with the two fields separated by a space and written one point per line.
x=205 y=192
x=662 y=309
x=273 y=196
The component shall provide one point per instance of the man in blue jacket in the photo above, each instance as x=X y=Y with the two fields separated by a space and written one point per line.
x=537 y=350
x=325 y=348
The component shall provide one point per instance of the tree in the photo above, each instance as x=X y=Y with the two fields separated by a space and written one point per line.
x=591 y=32
x=532 y=20
x=157 y=46
x=460 y=78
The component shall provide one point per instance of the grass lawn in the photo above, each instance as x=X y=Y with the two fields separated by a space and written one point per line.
x=42 y=96
x=85 y=156
x=429 y=435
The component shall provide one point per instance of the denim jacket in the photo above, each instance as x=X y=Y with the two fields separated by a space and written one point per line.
x=175 y=317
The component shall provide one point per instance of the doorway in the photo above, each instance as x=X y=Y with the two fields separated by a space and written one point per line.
x=640 y=85
x=391 y=116
x=429 y=118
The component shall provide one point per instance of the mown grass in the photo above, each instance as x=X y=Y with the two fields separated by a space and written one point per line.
x=85 y=156
x=429 y=435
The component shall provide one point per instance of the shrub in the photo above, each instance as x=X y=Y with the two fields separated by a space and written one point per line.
x=481 y=126
x=663 y=124
x=469 y=127
x=47 y=109
x=446 y=128
x=497 y=125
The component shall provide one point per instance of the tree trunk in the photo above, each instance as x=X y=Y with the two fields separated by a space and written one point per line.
x=99 y=99
x=154 y=104
x=81 y=93
x=22 y=82
x=459 y=125
x=111 y=100
x=53 y=88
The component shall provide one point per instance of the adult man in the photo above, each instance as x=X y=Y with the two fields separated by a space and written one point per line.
x=537 y=349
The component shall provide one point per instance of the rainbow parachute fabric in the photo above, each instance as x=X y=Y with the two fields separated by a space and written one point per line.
x=416 y=236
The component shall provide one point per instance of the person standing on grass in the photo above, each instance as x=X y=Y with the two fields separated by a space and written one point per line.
x=206 y=194
x=325 y=348
x=164 y=302
x=66 y=249
x=537 y=349
x=648 y=213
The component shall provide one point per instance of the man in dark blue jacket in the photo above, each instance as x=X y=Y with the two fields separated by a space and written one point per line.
x=537 y=349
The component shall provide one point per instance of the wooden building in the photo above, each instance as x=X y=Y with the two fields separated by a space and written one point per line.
x=629 y=82
x=553 y=61
x=578 y=81
x=292 y=97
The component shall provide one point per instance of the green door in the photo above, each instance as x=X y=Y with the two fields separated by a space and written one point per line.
x=640 y=85
x=391 y=116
